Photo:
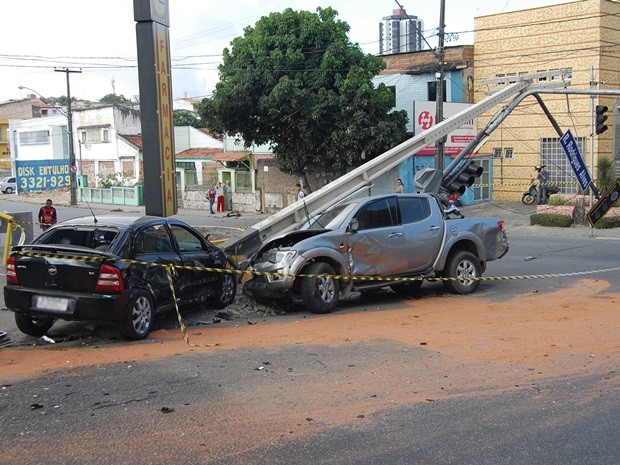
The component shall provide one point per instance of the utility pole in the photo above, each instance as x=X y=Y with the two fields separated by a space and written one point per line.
x=440 y=144
x=72 y=167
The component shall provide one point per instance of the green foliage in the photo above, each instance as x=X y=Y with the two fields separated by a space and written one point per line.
x=113 y=99
x=608 y=222
x=187 y=118
x=605 y=174
x=296 y=81
x=553 y=220
x=122 y=179
x=557 y=200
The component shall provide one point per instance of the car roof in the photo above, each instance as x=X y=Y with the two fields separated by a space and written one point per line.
x=114 y=220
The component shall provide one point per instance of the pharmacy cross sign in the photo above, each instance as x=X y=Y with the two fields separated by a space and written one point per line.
x=569 y=145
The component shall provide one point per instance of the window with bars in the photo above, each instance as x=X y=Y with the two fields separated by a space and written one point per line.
x=557 y=163
x=508 y=152
x=34 y=137
x=94 y=135
x=497 y=152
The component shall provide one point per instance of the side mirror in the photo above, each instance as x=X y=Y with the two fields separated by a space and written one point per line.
x=354 y=225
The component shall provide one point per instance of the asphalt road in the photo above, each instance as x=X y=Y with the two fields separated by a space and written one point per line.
x=224 y=409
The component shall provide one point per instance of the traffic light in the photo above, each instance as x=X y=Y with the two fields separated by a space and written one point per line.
x=604 y=204
x=601 y=117
x=463 y=177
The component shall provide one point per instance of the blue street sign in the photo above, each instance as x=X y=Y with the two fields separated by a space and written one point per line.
x=569 y=145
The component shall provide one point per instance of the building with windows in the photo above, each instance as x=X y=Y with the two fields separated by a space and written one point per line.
x=400 y=33
x=30 y=107
x=580 y=37
x=100 y=149
x=413 y=81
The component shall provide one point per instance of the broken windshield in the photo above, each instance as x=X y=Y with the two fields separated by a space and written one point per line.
x=330 y=219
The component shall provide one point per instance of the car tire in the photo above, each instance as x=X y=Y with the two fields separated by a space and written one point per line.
x=320 y=294
x=407 y=289
x=140 y=316
x=226 y=291
x=33 y=326
x=8 y=190
x=463 y=272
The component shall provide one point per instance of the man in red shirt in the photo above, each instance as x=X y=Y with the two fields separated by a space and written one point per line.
x=47 y=215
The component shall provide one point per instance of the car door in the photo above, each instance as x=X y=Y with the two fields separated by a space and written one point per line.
x=423 y=231
x=196 y=253
x=378 y=246
x=153 y=247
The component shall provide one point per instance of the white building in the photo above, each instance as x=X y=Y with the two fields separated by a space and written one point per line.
x=400 y=33
x=99 y=149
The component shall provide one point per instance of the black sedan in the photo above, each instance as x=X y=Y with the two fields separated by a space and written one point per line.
x=117 y=269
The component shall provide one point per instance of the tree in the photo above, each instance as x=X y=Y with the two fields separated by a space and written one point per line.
x=605 y=173
x=296 y=81
x=113 y=99
x=186 y=118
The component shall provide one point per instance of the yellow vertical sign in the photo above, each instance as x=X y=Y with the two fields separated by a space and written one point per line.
x=166 y=124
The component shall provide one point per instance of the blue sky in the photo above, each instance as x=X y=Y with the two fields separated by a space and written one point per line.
x=99 y=38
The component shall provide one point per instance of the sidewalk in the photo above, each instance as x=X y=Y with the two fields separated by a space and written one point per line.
x=517 y=218
x=515 y=214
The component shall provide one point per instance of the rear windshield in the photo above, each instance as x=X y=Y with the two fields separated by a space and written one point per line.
x=94 y=238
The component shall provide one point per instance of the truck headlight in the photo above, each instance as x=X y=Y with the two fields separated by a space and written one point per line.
x=277 y=256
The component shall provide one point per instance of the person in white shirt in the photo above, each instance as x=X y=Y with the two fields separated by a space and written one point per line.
x=219 y=195
x=299 y=192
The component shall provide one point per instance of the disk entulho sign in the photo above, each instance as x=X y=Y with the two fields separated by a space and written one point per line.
x=424 y=119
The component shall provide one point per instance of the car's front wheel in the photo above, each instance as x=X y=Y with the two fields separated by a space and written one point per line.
x=320 y=291
x=226 y=291
x=33 y=326
x=8 y=190
x=140 y=317
x=462 y=273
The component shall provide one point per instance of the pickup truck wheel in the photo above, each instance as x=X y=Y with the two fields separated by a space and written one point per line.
x=140 y=317
x=407 y=289
x=226 y=291
x=321 y=293
x=463 y=269
x=33 y=326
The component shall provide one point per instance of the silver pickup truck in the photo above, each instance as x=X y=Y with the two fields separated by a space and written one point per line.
x=394 y=241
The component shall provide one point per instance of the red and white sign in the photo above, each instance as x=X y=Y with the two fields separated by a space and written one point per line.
x=424 y=119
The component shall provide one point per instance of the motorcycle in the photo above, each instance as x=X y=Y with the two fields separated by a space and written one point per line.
x=531 y=195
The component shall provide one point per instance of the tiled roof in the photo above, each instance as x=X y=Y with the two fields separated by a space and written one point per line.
x=212 y=154
x=134 y=139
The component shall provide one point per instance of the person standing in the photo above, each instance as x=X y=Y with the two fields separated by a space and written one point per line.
x=211 y=196
x=543 y=178
x=399 y=188
x=299 y=192
x=229 y=193
x=47 y=215
x=219 y=194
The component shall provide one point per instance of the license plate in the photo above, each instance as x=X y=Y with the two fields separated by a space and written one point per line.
x=57 y=304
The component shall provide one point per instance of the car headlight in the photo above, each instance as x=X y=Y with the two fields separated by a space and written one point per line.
x=276 y=256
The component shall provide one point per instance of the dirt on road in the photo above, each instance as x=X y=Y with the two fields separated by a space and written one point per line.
x=558 y=332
